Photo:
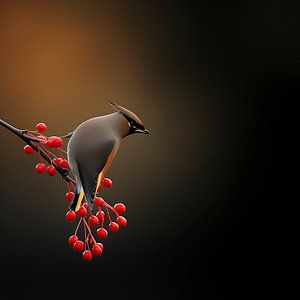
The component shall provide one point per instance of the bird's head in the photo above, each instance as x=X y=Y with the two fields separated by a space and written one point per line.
x=134 y=122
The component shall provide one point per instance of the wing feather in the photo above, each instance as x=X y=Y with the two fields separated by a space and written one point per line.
x=90 y=168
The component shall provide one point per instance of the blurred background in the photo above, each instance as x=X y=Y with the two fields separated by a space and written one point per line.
x=208 y=79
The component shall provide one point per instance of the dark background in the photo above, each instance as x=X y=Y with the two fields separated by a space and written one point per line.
x=208 y=79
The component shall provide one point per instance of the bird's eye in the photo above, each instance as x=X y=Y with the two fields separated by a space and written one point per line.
x=132 y=124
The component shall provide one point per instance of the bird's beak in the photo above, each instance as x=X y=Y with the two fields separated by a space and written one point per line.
x=145 y=131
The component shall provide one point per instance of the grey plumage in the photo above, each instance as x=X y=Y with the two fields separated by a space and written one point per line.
x=93 y=146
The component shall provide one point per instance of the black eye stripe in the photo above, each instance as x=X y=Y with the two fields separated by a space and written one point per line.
x=135 y=125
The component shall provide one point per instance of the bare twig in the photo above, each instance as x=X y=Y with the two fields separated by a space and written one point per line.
x=67 y=136
x=32 y=142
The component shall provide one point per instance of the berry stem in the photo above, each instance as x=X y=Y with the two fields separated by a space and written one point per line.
x=75 y=233
x=85 y=237
x=89 y=230
x=67 y=136
x=30 y=132
x=31 y=135
x=102 y=219
x=49 y=156
x=89 y=210
x=47 y=151
x=110 y=207
x=108 y=214
x=62 y=151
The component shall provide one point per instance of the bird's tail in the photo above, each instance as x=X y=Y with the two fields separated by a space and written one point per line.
x=77 y=198
x=79 y=194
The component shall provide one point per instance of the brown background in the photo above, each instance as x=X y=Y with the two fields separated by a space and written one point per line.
x=207 y=80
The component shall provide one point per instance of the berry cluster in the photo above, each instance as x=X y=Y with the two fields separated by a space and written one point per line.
x=42 y=144
x=89 y=245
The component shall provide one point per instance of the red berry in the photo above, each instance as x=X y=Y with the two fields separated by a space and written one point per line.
x=100 y=245
x=41 y=127
x=42 y=138
x=99 y=188
x=40 y=168
x=56 y=141
x=87 y=255
x=97 y=250
x=78 y=246
x=100 y=215
x=49 y=143
x=107 y=182
x=57 y=160
x=51 y=170
x=64 y=164
x=121 y=221
x=102 y=233
x=82 y=212
x=113 y=226
x=86 y=205
x=120 y=208
x=69 y=196
x=28 y=149
x=70 y=216
x=98 y=201
x=72 y=240
x=93 y=221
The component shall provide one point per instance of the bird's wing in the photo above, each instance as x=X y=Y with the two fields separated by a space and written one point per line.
x=90 y=168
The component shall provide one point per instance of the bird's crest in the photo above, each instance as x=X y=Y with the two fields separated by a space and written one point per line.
x=126 y=112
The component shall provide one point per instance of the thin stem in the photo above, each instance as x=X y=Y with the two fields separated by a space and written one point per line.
x=47 y=151
x=72 y=183
x=67 y=136
x=33 y=131
x=102 y=216
x=89 y=230
x=108 y=214
x=61 y=150
x=49 y=156
x=75 y=233
x=89 y=210
x=109 y=206
x=85 y=242
x=32 y=135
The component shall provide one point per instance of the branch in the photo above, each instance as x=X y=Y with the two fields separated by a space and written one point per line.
x=32 y=142
x=67 y=136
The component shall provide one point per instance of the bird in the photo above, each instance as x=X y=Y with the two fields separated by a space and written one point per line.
x=93 y=146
